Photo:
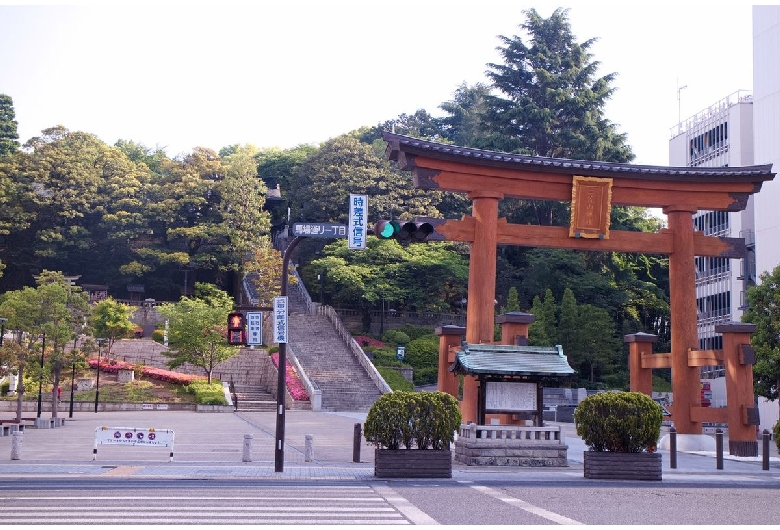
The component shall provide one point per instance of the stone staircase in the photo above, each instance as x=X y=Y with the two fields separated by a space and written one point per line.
x=252 y=398
x=328 y=361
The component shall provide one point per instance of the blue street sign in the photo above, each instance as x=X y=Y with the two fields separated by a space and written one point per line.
x=319 y=230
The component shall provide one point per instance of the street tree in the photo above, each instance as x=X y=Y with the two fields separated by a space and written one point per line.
x=111 y=320
x=764 y=311
x=43 y=316
x=197 y=329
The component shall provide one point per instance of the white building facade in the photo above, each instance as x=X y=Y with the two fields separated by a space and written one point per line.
x=742 y=129
x=720 y=136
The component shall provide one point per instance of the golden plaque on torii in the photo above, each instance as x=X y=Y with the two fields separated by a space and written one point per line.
x=591 y=204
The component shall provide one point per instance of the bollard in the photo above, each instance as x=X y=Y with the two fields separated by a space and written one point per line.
x=672 y=448
x=308 y=452
x=356 y=443
x=719 y=448
x=247 y=455
x=765 y=450
x=16 y=445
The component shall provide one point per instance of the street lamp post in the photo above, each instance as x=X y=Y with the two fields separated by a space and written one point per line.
x=2 y=329
x=40 y=377
x=72 y=377
x=97 y=383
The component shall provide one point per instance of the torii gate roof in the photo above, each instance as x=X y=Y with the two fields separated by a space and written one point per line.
x=453 y=168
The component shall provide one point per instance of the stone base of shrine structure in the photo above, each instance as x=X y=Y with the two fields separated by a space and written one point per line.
x=510 y=446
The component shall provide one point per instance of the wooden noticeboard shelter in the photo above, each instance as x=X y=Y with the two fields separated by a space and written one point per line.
x=593 y=187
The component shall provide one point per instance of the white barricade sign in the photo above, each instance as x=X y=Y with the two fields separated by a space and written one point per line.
x=133 y=436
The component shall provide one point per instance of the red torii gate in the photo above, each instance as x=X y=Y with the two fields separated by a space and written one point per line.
x=592 y=187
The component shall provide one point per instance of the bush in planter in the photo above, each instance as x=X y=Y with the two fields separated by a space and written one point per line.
x=421 y=420
x=624 y=422
x=776 y=431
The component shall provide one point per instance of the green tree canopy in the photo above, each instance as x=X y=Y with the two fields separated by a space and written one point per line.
x=197 y=329
x=764 y=311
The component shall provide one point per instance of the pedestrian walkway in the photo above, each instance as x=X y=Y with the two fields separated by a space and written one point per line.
x=215 y=445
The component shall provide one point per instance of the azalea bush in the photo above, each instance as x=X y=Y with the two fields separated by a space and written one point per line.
x=160 y=374
x=363 y=341
x=294 y=385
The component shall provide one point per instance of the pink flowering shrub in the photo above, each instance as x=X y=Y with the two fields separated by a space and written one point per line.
x=294 y=384
x=168 y=376
x=362 y=340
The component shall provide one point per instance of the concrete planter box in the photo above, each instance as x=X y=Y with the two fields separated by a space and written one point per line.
x=622 y=466
x=412 y=463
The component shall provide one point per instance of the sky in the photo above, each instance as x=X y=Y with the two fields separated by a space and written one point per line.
x=178 y=75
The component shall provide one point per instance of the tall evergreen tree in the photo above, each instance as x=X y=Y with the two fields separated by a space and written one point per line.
x=551 y=101
x=8 y=134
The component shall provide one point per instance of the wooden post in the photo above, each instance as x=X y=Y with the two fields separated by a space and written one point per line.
x=682 y=295
x=640 y=379
x=738 y=362
x=482 y=286
x=514 y=327
x=449 y=336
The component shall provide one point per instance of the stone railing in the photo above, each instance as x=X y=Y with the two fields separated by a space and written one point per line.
x=346 y=336
x=357 y=351
x=528 y=434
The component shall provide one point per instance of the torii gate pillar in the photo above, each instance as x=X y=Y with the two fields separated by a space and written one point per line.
x=482 y=286
x=682 y=290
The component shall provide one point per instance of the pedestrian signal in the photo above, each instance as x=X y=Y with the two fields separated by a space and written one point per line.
x=236 y=329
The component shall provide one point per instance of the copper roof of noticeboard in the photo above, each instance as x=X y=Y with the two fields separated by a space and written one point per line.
x=507 y=360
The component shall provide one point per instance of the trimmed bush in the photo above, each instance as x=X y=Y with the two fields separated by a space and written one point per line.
x=776 y=431
x=423 y=352
x=394 y=379
x=207 y=393
x=396 y=337
x=421 y=420
x=624 y=422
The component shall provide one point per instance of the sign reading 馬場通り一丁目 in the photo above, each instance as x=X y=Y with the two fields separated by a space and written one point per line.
x=319 y=230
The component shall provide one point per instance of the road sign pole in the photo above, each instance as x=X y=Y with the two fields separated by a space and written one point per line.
x=282 y=369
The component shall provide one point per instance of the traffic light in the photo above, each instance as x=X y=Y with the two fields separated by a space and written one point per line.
x=409 y=231
x=236 y=329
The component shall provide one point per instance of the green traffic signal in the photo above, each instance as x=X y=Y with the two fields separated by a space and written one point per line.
x=408 y=231
x=387 y=229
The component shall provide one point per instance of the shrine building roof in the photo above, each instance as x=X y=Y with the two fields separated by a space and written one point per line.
x=508 y=360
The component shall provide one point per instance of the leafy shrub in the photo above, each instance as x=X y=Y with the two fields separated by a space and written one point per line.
x=422 y=420
x=423 y=352
x=158 y=336
x=207 y=394
x=776 y=431
x=426 y=376
x=624 y=422
x=396 y=336
x=394 y=379
x=415 y=332
x=5 y=387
